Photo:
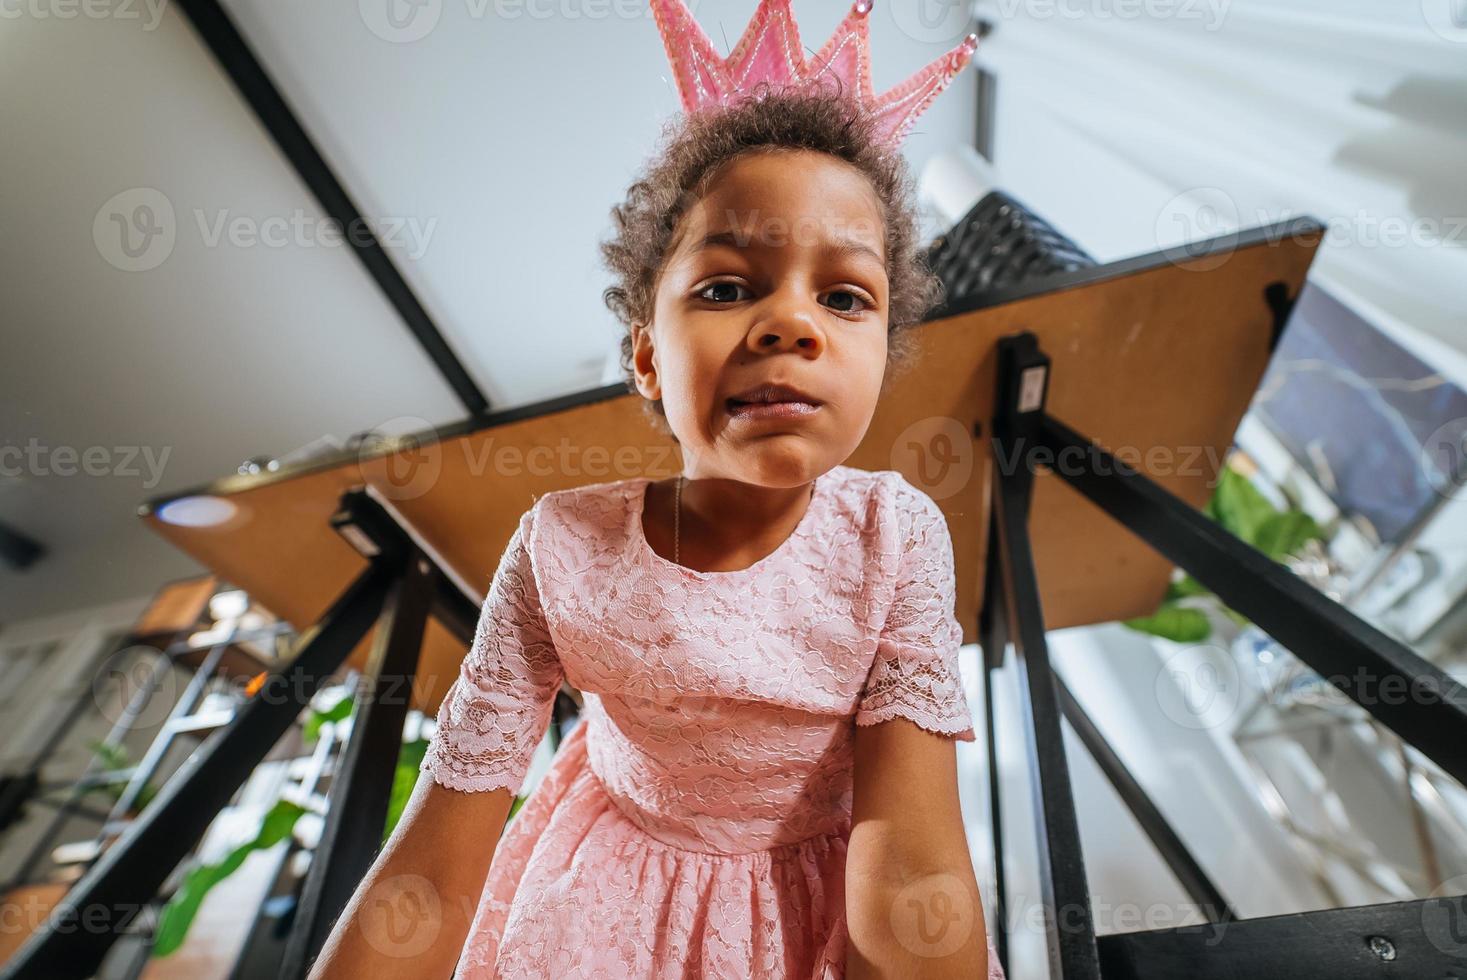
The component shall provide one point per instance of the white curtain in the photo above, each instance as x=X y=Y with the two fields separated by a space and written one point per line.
x=1135 y=125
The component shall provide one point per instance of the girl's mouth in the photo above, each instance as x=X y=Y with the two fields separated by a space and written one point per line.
x=770 y=410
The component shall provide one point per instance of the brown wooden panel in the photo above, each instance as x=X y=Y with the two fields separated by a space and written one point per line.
x=177 y=606
x=26 y=908
x=1162 y=361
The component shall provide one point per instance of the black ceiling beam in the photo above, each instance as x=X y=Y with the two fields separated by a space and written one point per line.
x=234 y=55
x=985 y=121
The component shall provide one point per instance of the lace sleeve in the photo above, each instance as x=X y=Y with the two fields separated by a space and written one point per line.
x=497 y=710
x=915 y=673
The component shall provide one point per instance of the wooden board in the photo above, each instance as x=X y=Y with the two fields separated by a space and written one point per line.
x=1154 y=359
x=176 y=607
x=26 y=908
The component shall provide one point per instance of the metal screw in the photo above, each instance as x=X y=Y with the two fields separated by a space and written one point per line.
x=1382 y=947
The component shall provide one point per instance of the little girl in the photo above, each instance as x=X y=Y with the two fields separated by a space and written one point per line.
x=763 y=782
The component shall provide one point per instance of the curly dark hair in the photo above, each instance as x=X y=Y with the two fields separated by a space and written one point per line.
x=695 y=148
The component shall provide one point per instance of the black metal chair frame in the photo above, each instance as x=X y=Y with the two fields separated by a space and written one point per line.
x=1424 y=938
x=398 y=590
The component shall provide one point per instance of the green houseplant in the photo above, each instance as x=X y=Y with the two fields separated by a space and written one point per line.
x=1240 y=508
x=114 y=759
x=277 y=825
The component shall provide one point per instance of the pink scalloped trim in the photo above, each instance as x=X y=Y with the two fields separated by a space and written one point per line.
x=465 y=783
x=959 y=727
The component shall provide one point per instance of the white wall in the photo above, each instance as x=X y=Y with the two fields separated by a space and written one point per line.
x=84 y=643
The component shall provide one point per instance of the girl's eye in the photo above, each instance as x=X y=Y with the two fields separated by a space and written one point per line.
x=845 y=296
x=703 y=293
x=843 y=300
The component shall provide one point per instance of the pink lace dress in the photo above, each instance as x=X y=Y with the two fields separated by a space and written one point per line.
x=694 y=822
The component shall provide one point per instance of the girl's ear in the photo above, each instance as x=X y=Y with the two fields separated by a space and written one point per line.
x=644 y=362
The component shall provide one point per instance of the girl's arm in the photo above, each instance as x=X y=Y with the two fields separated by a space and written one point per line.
x=912 y=902
x=410 y=915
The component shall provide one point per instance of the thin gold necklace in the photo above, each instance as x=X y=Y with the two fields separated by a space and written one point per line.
x=677 y=514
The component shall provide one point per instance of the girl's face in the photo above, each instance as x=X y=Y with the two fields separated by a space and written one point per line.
x=777 y=276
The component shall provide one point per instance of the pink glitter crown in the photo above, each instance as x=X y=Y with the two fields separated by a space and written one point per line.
x=770 y=50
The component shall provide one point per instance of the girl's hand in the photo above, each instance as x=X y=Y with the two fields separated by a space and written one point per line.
x=912 y=901
x=411 y=913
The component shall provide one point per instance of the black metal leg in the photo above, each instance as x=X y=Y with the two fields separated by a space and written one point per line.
x=362 y=786
x=97 y=909
x=1426 y=938
x=1171 y=848
x=1403 y=691
x=557 y=710
x=1407 y=694
x=457 y=612
x=1023 y=374
x=993 y=634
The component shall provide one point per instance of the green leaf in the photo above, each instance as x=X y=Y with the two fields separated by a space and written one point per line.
x=1280 y=535
x=1176 y=623
x=1239 y=506
x=1244 y=511
x=1186 y=587
x=337 y=712
x=1210 y=508
x=112 y=757
x=403 y=782
x=179 y=913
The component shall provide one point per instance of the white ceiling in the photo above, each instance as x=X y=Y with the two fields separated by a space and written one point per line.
x=488 y=151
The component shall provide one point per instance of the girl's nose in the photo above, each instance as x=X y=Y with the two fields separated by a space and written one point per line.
x=787 y=323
